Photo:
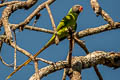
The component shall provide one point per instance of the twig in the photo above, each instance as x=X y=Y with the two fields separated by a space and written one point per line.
x=15 y=50
x=36 y=70
x=99 y=11
x=9 y=65
x=64 y=74
x=81 y=44
x=1 y=43
x=9 y=10
x=37 y=10
x=34 y=28
x=12 y=44
x=46 y=61
x=98 y=73
x=36 y=18
x=0 y=23
x=53 y=24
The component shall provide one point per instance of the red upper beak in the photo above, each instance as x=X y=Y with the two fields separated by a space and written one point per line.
x=81 y=9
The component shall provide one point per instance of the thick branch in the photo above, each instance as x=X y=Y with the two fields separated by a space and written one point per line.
x=91 y=31
x=10 y=9
x=110 y=59
x=99 y=11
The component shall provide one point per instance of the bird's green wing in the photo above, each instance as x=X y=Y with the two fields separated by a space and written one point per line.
x=63 y=22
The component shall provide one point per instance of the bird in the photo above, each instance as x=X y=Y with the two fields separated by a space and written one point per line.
x=69 y=21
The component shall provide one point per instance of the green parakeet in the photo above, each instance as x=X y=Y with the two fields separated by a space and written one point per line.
x=62 y=31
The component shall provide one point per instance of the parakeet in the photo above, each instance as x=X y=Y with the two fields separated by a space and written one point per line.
x=62 y=31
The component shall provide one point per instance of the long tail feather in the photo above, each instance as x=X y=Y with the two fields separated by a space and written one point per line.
x=29 y=60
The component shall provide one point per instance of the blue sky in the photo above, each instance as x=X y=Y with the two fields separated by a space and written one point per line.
x=32 y=41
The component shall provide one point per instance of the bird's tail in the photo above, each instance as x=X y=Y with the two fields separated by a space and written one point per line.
x=51 y=41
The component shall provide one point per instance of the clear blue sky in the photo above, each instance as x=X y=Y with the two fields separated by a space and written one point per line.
x=32 y=41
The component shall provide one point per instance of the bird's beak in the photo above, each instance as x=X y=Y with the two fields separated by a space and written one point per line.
x=81 y=9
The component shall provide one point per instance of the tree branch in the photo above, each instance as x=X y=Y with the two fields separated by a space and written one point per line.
x=53 y=24
x=96 y=30
x=99 y=11
x=9 y=10
x=34 y=28
x=8 y=3
x=109 y=59
x=37 y=10
x=12 y=44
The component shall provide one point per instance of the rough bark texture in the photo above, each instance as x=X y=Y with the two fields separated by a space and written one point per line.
x=80 y=63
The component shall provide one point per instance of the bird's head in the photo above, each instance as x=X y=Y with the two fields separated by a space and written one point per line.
x=76 y=9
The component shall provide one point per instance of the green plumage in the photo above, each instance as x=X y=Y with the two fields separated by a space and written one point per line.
x=62 y=31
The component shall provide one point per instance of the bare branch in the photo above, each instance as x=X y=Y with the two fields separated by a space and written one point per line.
x=0 y=23
x=36 y=70
x=69 y=56
x=99 y=11
x=15 y=50
x=98 y=73
x=9 y=65
x=110 y=59
x=10 y=9
x=22 y=50
x=96 y=30
x=12 y=44
x=83 y=46
x=37 y=10
x=34 y=28
x=1 y=43
x=8 y=3
x=46 y=61
x=53 y=24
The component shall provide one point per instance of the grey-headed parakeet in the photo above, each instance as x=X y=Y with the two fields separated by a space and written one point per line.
x=62 y=31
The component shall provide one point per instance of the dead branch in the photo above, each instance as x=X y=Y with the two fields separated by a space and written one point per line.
x=15 y=51
x=53 y=24
x=83 y=46
x=99 y=11
x=10 y=9
x=109 y=59
x=36 y=70
x=1 y=43
x=33 y=28
x=37 y=10
x=91 y=31
x=12 y=44
x=9 y=65
x=8 y=3
x=45 y=61
x=0 y=23
x=69 y=56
